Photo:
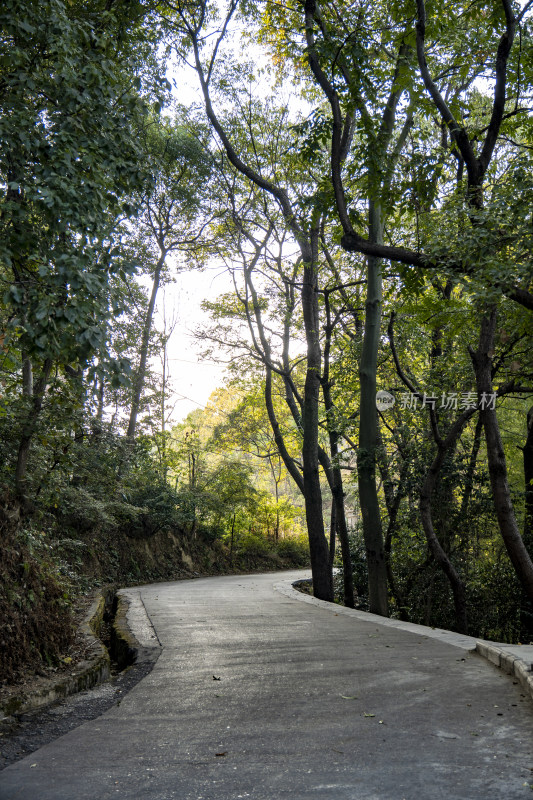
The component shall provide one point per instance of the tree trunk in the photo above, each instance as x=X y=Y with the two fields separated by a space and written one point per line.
x=526 y=611
x=309 y=483
x=332 y=532
x=368 y=430
x=291 y=467
x=528 y=480
x=338 y=511
x=457 y=585
x=342 y=530
x=469 y=480
x=482 y=360
x=37 y=396
x=164 y=463
x=27 y=377
x=138 y=382
x=392 y=501
x=318 y=545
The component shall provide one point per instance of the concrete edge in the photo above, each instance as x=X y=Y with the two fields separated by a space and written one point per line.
x=500 y=655
x=141 y=647
x=96 y=668
x=466 y=643
x=93 y=670
x=509 y=662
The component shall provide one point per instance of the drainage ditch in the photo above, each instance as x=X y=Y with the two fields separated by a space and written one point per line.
x=25 y=732
x=121 y=655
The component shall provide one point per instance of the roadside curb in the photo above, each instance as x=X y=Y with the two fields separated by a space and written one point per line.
x=93 y=670
x=129 y=648
x=508 y=660
x=96 y=667
x=516 y=660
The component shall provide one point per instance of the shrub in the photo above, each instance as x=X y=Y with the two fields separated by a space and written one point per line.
x=253 y=544
x=79 y=510
x=34 y=606
x=295 y=549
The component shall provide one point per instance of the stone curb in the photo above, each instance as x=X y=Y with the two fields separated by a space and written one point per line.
x=509 y=662
x=467 y=643
x=129 y=648
x=126 y=646
x=509 y=658
x=95 y=669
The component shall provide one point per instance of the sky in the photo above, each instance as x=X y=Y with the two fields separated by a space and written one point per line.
x=192 y=378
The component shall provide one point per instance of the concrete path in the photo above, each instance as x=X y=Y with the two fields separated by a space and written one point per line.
x=259 y=695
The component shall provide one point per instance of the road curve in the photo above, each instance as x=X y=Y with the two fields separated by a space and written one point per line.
x=258 y=695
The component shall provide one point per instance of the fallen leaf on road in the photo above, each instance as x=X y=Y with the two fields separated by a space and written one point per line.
x=347 y=697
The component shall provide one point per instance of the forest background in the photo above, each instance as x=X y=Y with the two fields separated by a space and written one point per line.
x=363 y=173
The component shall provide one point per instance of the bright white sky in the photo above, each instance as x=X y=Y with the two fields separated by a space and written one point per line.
x=192 y=378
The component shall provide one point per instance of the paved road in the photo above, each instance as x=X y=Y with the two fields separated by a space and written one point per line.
x=258 y=695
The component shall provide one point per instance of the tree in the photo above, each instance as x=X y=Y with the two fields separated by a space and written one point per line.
x=344 y=71
x=366 y=115
x=191 y=26
x=70 y=111
x=448 y=450
x=175 y=212
x=263 y=320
